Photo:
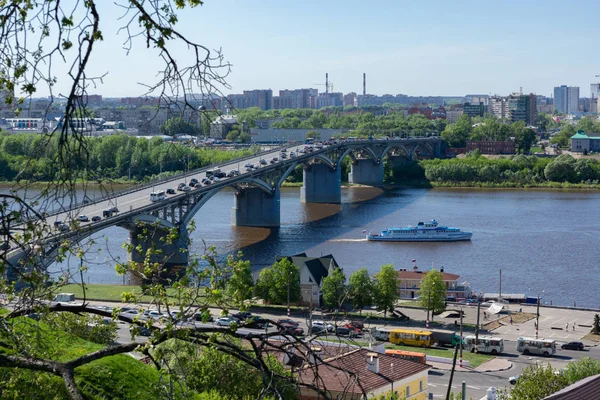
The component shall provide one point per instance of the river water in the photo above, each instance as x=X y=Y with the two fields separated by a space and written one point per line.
x=543 y=240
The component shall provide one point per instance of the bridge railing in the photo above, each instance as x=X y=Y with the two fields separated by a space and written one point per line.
x=146 y=185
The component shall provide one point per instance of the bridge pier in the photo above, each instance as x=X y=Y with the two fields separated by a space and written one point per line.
x=158 y=246
x=322 y=184
x=255 y=207
x=366 y=172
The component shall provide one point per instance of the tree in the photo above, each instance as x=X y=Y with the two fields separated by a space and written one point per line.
x=535 y=383
x=456 y=134
x=312 y=135
x=386 y=289
x=240 y=284
x=596 y=327
x=561 y=169
x=575 y=371
x=273 y=282
x=334 y=289
x=433 y=292
x=360 y=289
x=524 y=138
x=178 y=125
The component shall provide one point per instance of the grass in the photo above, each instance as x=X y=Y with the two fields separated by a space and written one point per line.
x=474 y=359
x=115 y=377
x=592 y=337
x=104 y=292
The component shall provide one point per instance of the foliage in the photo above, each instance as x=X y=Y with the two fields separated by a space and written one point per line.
x=563 y=138
x=240 y=284
x=581 y=368
x=89 y=327
x=513 y=171
x=457 y=134
x=386 y=289
x=360 y=289
x=273 y=282
x=178 y=126
x=433 y=292
x=535 y=383
x=108 y=157
x=334 y=289
x=210 y=370
x=596 y=325
x=312 y=135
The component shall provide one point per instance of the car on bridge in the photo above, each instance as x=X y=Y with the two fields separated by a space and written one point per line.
x=186 y=188
x=263 y=161
x=96 y=218
x=83 y=218
x=114 y=209
x=107 y=213
x=216 y=180
x=170 y=191
x=181 y=186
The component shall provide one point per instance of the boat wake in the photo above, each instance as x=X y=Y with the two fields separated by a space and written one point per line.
x=348 y=240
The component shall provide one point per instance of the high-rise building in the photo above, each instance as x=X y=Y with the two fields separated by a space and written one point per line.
x=521 y=107
x=474 y=110
x=566 y=99
x=595 y=90
x=262 y=98
x=498 y=106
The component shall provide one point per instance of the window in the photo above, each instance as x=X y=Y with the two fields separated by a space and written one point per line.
x=420 y=386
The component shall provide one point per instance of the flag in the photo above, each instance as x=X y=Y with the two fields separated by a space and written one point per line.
x=413 y=260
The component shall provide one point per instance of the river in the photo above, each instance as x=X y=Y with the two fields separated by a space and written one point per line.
x=543 y=240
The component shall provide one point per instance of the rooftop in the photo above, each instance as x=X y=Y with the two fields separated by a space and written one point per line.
x=582 y=135
x=416 y=274
x=586 y=389
x=348 y=372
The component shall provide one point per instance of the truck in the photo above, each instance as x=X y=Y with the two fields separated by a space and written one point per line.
x=442 y=337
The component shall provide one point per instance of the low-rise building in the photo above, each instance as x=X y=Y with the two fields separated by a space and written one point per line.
x=312 y=272
x=410 y=284
x=222 y=125
x=492 y=147
x=363 y=374
x=585 y=142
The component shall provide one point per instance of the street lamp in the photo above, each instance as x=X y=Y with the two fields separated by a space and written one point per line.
x=537 y=313
x=288 y=294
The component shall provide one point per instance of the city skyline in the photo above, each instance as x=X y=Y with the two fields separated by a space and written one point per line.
x=424 y=49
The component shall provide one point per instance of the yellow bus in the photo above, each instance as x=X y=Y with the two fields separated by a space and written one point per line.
x=411 y=337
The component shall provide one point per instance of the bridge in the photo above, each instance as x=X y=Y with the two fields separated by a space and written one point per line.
x=256 y=200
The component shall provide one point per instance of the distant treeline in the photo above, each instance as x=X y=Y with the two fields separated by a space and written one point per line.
x=514 y=171
x=34 y=156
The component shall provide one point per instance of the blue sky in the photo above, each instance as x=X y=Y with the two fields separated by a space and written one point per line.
x=411 y=47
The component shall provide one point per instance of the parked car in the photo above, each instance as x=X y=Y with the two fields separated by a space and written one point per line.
x=323 y=324
x=343 y=331
x=288 y=321
x=242 y=315
x=153 y=314
x=256 y=322
x=140 y=330
x=291 y=329
x=96 y=218
x=572 y=346
x=226 y=321
x=199 y=317
x=170 y=191
x=513 y=379
x=83 y=218
x=318 y=330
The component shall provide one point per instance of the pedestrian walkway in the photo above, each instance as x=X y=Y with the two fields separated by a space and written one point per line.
x=495 y=364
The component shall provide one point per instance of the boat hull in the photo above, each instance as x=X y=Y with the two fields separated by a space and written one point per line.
x=374 y=238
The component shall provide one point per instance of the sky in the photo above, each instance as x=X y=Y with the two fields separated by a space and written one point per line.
x=410 y=47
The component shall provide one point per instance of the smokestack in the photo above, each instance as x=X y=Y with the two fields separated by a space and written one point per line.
x=364 y=83
x=373 y=362
x=326 y=82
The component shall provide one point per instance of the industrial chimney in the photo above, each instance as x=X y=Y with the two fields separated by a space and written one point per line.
x=373 y=362
x=326 y=82
x=364 y=83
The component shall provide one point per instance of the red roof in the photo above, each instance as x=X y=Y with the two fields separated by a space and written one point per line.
x=348 y=372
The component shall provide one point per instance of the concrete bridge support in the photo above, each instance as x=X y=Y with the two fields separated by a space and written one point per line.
x=157 y=244
x=322 y=184
x=366 y=172
x=255 y=207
